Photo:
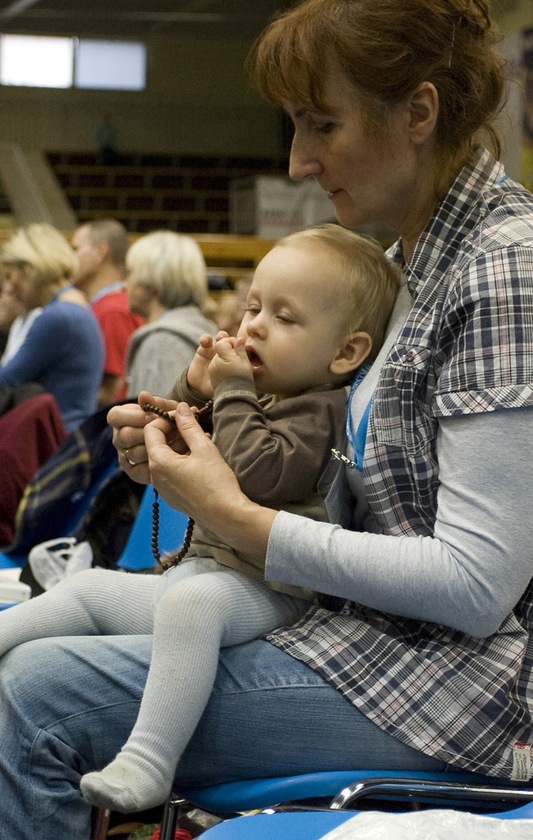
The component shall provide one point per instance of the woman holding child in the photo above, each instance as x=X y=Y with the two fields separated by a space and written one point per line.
x=428 y=664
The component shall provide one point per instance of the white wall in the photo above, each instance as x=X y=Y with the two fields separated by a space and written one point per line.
x=518 y=17
x=198 y=101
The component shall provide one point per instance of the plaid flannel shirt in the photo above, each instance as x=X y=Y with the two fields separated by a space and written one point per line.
x=467 y=346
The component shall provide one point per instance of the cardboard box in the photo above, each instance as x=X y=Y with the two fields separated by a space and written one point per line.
x=272 y=206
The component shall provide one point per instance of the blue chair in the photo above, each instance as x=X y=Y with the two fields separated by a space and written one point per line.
x=15 y=562
x=344 y=790
x=308 y=825
x=137 y=553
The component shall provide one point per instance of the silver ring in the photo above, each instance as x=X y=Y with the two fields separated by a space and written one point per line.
x=128 y=459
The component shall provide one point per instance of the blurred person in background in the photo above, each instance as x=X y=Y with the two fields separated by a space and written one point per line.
x=101 y=248
x=105 y=135
x=232 y=306
x=166 y=284
x=14 y=321
x=63 y=348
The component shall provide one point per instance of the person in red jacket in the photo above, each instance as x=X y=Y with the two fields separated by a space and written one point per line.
x=101 y=247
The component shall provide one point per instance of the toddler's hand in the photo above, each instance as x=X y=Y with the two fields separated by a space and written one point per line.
x=230 y=359
x=198 y=373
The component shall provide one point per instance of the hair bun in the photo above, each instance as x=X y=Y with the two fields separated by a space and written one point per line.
x=474 y=16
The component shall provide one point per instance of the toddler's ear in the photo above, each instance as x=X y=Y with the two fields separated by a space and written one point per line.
x=352 y=354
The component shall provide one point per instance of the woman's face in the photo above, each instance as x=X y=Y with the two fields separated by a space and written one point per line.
x=22 y=289
x=10 y=305
x=139 y=296
x=368 y=178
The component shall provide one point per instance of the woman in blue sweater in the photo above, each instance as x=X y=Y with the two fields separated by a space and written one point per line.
x=63 y=350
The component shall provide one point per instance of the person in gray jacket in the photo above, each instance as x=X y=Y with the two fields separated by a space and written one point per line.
x=167 y=285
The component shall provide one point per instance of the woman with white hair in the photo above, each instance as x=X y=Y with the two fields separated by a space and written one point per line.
x=63 y=349
x=167 y=285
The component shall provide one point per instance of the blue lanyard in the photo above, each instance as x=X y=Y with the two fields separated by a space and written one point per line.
x=113 y=287
x=58 y=294
x=360 y=438
x=357 y=439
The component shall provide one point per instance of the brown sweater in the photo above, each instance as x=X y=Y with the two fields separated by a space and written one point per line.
x=278 y=449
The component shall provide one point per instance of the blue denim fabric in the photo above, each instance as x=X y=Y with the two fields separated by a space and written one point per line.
x=67 y=706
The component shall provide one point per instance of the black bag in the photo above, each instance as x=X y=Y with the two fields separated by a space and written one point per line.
x=60 y=493
x=107 y=524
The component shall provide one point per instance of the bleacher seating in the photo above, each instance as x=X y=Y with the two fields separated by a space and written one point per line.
x=187 y=193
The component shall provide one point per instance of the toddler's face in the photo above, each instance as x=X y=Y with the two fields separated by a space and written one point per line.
x=294 y=324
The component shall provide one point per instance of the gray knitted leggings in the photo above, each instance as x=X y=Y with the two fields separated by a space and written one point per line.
x=192 y=611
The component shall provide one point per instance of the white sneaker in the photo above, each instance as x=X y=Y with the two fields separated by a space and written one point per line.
x=54 y=560
x=13 y=593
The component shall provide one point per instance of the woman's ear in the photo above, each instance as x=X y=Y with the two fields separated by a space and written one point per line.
x=151 y=290
x=352 y=354
x=423 y=105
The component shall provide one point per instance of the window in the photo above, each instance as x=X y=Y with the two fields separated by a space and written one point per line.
x=115 y=65
x=37 y=61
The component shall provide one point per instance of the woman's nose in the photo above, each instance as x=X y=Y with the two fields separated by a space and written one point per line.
x=302 y=163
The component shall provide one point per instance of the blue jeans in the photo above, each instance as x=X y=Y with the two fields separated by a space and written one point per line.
x=68 y=704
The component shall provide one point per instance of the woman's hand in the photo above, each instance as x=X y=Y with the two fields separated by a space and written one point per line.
x=202 y=485
x=184 y=479
x=129 y=422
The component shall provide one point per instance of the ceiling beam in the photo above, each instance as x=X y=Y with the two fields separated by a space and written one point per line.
x=16 y=8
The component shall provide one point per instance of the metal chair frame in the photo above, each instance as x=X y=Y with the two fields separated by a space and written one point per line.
x=434 y=788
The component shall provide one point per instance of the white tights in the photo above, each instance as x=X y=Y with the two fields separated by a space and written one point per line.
x=198 y=612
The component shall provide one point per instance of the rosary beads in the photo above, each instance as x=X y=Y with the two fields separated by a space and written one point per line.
x=170 y=559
